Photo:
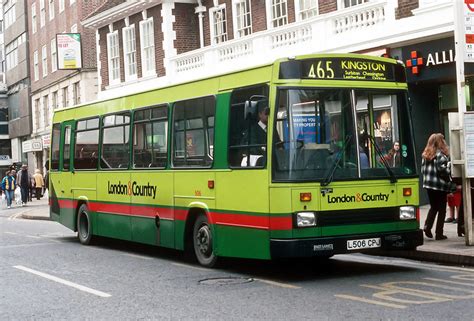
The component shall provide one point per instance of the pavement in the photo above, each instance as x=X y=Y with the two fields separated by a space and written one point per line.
x=451 y=251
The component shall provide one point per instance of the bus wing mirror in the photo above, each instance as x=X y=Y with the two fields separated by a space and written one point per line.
x=253 y=105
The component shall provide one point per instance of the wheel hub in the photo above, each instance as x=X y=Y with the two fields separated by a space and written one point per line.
x=203 y=238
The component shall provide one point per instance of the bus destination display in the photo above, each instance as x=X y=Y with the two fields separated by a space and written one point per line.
x=341 y=69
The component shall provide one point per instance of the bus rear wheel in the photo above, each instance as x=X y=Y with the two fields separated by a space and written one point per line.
x=84 y=225
x=203 y=242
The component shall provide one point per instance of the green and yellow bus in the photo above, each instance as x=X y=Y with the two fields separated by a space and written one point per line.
x=290 y=159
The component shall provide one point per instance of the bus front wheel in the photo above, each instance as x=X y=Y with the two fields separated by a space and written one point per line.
x=203 y=242
x=84 y=226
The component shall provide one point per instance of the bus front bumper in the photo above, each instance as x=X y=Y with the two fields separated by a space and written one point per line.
x=328 y=246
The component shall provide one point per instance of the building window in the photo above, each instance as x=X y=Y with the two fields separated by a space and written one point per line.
x=54 y=100
x=65 y=97
x=351 y=3
x=74 y=28
x=76 y=93
x=113 y=57
x=33 y=18
x=51 y=9
x=218 y=24
x=37 y=114
x=35 y=65
x=130 y=53
x=46 y=110
x=9 y=13
x=71 y=2
x=42 y=14
x=44 y=60
x=11 y=51
x=278 y=13
x=61 y=5
x=147 y=40
x=54 y=56
x=242 y=18
x=307 y=9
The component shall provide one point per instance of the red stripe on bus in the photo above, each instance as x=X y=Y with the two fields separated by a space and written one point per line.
x=238 y=220
x=242 y=220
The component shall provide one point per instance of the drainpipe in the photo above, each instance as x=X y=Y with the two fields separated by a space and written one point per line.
x=200 y=11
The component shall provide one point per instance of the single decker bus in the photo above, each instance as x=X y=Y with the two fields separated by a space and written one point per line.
x=290 y=159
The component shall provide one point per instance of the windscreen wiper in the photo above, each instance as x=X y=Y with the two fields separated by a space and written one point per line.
x=393 y=179
x=330 y=176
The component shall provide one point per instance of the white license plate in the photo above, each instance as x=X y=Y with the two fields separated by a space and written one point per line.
x=364 y=244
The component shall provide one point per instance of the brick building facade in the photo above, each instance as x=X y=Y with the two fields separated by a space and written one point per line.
x=52 y=88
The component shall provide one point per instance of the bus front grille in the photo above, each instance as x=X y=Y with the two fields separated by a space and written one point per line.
x=360 y=216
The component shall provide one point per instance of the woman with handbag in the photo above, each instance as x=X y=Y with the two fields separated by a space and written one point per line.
x=436 y=171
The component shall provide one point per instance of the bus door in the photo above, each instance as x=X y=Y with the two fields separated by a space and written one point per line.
x=62 y=187
x=151 y=185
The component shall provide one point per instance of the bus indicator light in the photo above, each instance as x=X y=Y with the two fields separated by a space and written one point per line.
x=407 y=191
x=305 y=197
x=210 y=184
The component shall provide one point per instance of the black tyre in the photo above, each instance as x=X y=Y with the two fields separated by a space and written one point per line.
x=203 y=242
x=84 y=225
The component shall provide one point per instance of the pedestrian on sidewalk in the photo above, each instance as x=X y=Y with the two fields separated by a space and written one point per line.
x=39 y=184
x=436 y=171
x=24 y=180
x=8 y=187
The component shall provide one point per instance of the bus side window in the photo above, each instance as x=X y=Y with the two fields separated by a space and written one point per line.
x=115 y=141
x=150 y=130
x=55 y=153
x=193 y=132
x=86 y=149
x=240 y=129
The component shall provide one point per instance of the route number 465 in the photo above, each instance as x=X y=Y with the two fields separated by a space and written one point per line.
x=321 y=71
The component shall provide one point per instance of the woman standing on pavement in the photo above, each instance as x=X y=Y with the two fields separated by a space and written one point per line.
x=436 y=171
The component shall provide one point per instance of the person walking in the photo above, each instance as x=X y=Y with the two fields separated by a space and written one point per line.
x=24 y=180
x=39 y=184
x=8 y=187
x=436 y=171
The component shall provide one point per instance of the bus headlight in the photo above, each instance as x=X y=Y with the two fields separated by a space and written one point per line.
x=407 y=213
x=305 y=219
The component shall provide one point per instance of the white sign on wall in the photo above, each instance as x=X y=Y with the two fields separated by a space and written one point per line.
x=468 y=10
x=33 y=145
x=69 y=50
x=469 y=141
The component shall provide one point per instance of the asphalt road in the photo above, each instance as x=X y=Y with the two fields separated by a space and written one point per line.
x=47 y=274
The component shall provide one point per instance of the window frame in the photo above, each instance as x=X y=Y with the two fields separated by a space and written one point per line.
x=51 y=9
x=54 y=56
x=101 y=139
x=236 y=18
x=34 y=23
x=299 y=11
x=151 y=120
x=75 y=131
x=263 y=87
x=147 y=72
x=44 y=60
x=271 y=19
x=35 y=65
x=110 y=60
x=54 y=138
x=42 y=14
x=130 y=52
x=205 y=130
x=213 y=24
